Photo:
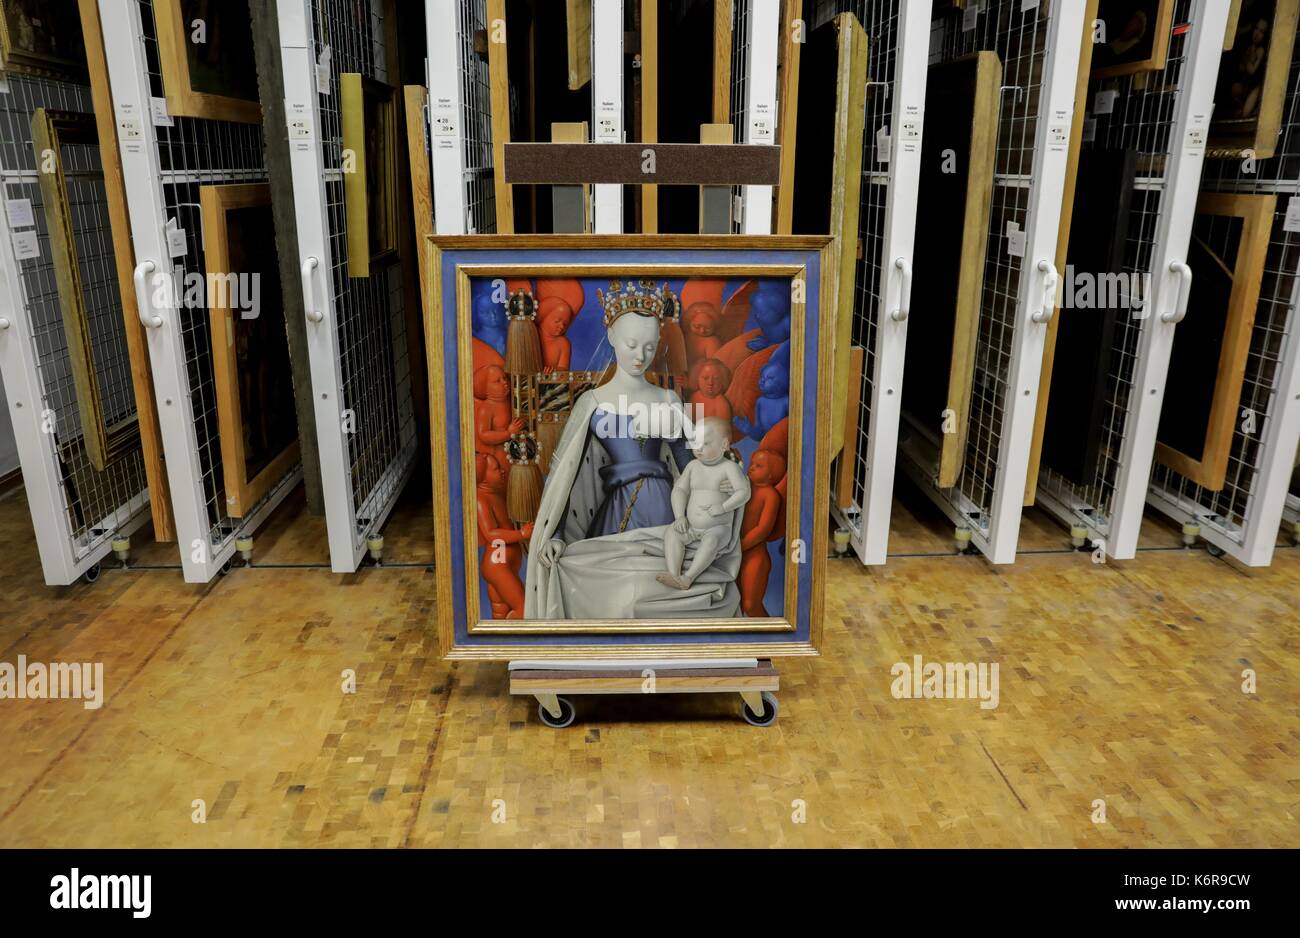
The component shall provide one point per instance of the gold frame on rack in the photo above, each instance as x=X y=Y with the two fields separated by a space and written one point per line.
x=242 y=493
x=1231 y=138
x=659 y=268
x=50 y=131
x=1211 y=470
x=182 y=99
x=357 y=95
x=40 y=65
x=1159 y=47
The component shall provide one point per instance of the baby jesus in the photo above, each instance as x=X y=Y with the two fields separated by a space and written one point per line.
x=704 y=513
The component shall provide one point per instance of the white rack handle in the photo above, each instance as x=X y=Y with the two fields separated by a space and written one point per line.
x=1050 y=280
x=143 y=305
x=309 y=265
x=1179 y=312
x=904 y=308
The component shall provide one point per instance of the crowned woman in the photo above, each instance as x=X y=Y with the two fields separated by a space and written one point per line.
x=597 y=546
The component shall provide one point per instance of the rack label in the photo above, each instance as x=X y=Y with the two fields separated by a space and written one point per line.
x=19 y=212
x=25 y=245
x=1292 y=220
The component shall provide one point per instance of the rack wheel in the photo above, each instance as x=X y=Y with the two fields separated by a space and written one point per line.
x=567 y=713
x=91 y=574
x=226 y=567
x=1213 y=550
x=768 y=716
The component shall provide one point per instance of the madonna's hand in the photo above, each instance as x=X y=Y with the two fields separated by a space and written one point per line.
x=551 y=552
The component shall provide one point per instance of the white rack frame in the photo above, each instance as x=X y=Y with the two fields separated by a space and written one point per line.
x=607 y=105
x=446 y=104
x=869 y=527
x=1035 y=296
x=1118 y=534
x=347 y=539
x=201 y=557
x=762 y=39
x=64 y=558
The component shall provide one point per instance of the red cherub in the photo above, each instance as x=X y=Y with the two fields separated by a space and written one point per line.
x=711 y=379
x=493 y=425
x=701 y=322
x=760 y=524
x=501 y=541
x=553 y=321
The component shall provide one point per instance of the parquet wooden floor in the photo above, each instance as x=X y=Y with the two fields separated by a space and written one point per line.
x=1119 y=683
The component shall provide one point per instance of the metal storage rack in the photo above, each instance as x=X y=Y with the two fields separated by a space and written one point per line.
x=898 y=34
x=1164 y=116
x=460 y=118
x=356 y=331
x=1039 y=48
x=755 y=34
x=76 y=511
x=1242 y=518
x=164 y=164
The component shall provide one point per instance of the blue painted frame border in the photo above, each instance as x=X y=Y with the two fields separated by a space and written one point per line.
x=453 y=258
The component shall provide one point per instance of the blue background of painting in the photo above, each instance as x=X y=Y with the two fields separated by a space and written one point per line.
x=456 y=484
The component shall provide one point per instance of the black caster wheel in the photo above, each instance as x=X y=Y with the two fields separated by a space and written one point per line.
x=567 y=713
x=1213 y=550
x=768 y=717
x=227 y=566
x=91 y=574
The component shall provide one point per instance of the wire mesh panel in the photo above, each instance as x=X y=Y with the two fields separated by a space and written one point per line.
x=357 y=338
x=1038 y=46
x=476 y=120
x=896 y=67
x=76 y=508
x=1242 y=518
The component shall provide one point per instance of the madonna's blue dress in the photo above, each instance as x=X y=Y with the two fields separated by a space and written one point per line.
x=637 y=483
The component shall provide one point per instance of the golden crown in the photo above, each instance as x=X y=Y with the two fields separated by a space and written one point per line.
x=641 y=297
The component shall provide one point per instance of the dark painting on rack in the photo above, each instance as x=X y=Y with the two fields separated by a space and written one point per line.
x=270 y=422
x=957 y=157
x=1099 y=293
x=1136 y=37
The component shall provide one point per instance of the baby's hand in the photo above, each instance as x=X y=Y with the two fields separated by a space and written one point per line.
x=716 y=510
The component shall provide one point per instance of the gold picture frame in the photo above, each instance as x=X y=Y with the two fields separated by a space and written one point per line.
x=1248 y=111
x=204 y=78
x=1157 y=19
x=51 y=131
x=811 y=467
x=1245 y=273
x=42 y=38
x=244 y=488
x=369 y=114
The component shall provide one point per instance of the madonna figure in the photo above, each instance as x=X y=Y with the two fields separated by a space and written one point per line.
x=597 y=546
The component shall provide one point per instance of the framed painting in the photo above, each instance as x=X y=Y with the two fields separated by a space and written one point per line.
x=205 y=49
x=107 y=433
x=1251 y=89
x=827 y=186
x=634 y=457
x=370 y=137
x=42 y=38
x=1207 y=364
x=961 y=105
x=1136 y=37
x=256 y=416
